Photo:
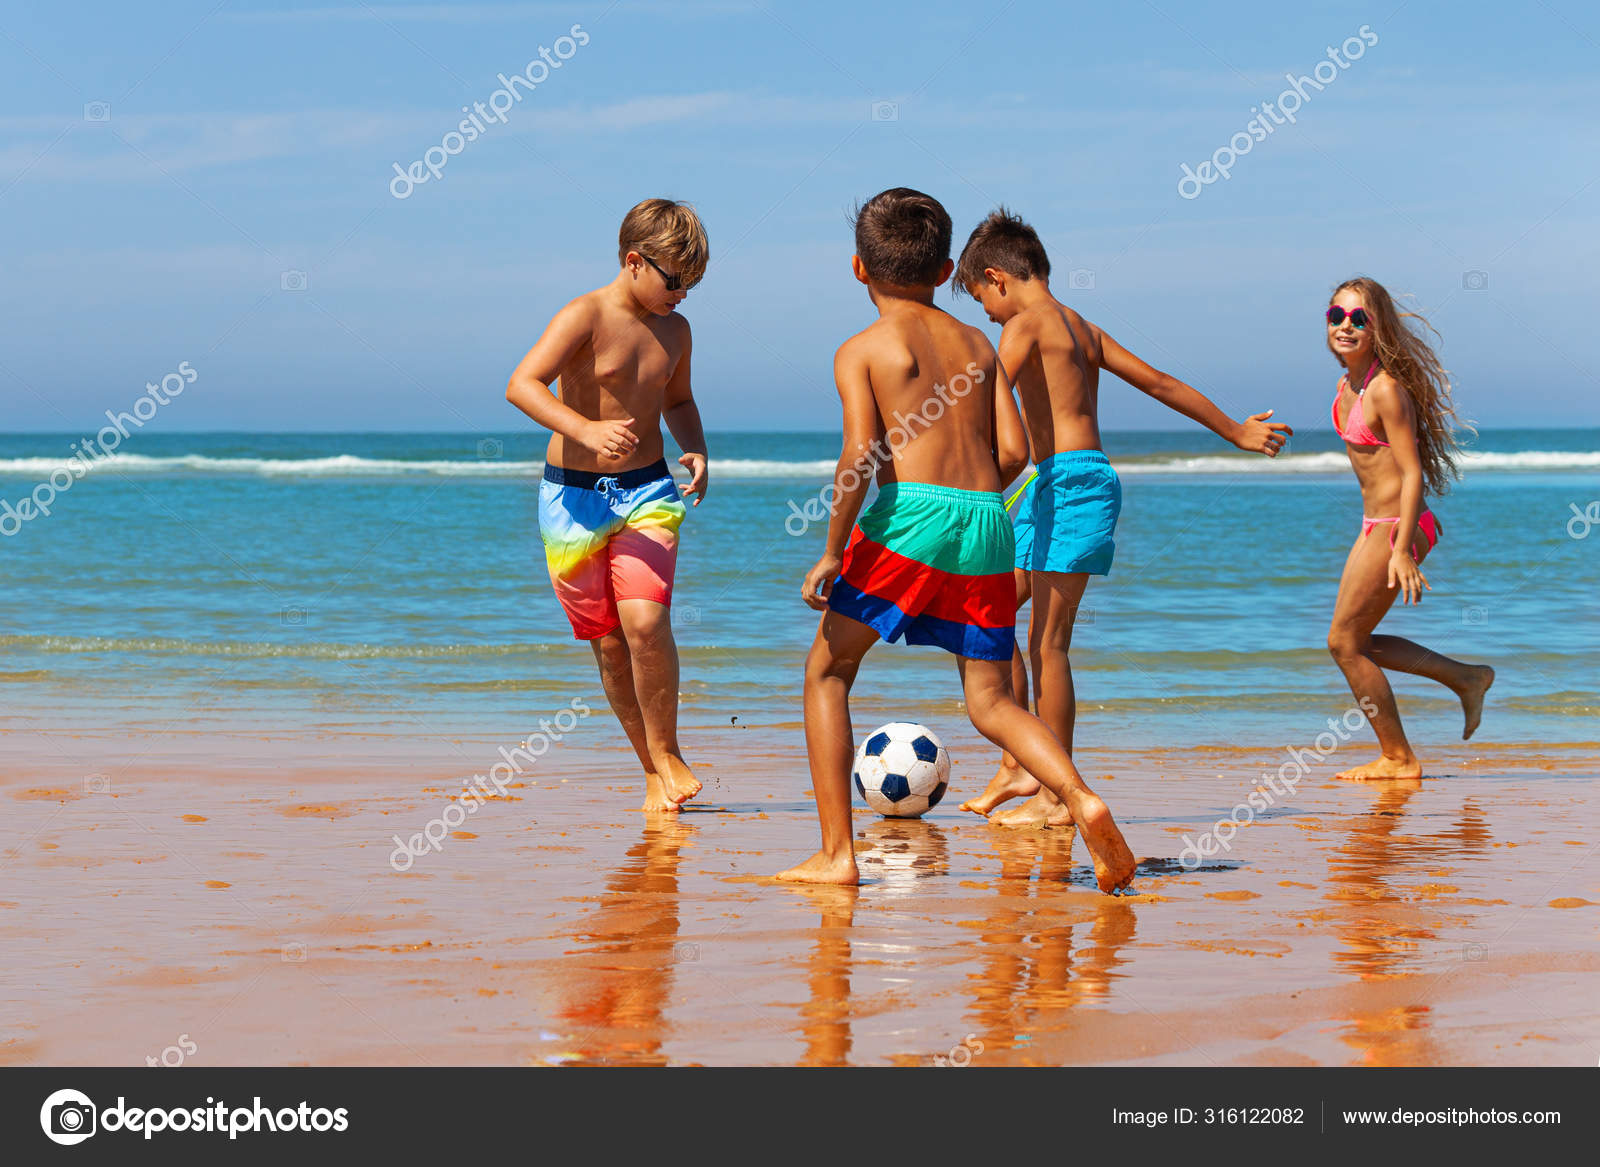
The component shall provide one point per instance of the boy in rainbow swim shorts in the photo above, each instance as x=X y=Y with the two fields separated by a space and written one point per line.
x=1055 y=357
x=926 y=406
x=609 y=510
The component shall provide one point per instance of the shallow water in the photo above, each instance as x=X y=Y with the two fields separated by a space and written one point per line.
x=396 y=581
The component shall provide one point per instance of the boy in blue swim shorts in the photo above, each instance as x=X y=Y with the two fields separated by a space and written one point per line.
x=1054 y=357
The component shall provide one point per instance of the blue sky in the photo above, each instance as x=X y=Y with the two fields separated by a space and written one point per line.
x=243 y=140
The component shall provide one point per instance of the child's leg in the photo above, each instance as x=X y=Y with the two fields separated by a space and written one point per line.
x=830 y=744
x=616 y=676
x=1011 y=780
x=1364 y=599
x=997 y=716
x=1056 y=598
x=1468 y=682
x=647 y=625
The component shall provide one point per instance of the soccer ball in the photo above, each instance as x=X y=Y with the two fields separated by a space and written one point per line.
x=902 y=770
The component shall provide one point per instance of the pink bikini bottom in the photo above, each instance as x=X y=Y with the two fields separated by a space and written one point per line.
x=1427 y=524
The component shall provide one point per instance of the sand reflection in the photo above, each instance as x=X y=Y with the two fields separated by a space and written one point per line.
x=1374 y=877
x=1043 y=954
x=630 y=955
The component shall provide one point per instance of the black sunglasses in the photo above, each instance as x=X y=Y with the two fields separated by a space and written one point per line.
x=674 y=283
x=1336 y=315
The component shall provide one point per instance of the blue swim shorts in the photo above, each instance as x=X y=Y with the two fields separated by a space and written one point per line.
x=1075 y=506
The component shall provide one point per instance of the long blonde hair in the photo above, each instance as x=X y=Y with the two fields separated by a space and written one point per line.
x=1409 y=359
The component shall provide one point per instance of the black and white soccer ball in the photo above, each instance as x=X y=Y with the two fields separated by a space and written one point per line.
x=902 y=770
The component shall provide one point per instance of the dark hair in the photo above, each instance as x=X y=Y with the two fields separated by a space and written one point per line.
x=1004 y=242
x=903 y=237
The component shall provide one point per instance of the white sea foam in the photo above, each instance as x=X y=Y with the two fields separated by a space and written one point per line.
x=352 y=465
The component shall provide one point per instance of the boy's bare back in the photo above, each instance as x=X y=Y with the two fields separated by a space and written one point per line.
x=923 y=364
x=1057 y=374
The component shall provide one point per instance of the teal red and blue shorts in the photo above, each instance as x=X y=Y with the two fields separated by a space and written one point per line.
x=932 y=565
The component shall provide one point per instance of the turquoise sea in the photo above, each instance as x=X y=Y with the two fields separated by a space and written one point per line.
x=395 y=582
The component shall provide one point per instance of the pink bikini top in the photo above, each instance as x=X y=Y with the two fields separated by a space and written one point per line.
x=1356 y=431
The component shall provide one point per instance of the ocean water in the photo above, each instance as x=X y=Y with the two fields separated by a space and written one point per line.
x=395 y=583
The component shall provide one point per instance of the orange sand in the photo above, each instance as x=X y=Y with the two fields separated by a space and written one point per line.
x=253 y=907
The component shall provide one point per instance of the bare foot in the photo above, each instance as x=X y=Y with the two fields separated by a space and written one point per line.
x=678 y=782
x=1007 y=783
x=655 y=796
x=1040 y=811
x=823 y=868
x=1472 y=699
x=1383 y=768
x=1114 y=864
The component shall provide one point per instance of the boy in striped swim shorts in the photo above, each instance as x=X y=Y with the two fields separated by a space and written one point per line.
x=609 y=510
x=930 y=412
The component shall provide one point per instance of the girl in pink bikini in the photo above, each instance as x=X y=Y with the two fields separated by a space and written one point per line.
x=1398 y=429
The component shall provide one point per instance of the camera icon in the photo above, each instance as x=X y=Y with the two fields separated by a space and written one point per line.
x=491 y=448
x=293 y=281
x=97 y=111
x=686 y=614
x=1475 y=281
x=1473 y=953
x=1080 y=279
x=294 y=617
x=68 y=1117
x=293 y=953
x=689 y=953
x=1084 y=616
x=97 y=784
x=885 y=111
x=1472 y=616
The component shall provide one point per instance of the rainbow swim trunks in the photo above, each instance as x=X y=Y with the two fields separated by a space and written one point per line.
x=932 y=564
x=609 y=538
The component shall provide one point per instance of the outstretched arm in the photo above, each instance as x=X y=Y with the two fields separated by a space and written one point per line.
x=853 y=475
x=1390 y=404
x=682 y=416
x=529 y=389
x=1254 y=433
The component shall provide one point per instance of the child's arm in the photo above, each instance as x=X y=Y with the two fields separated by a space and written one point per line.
x=529 y=389
x=1254 y=433
x=1010 y=438
x=1389 y=403
x=682 y=416
x=853 y=476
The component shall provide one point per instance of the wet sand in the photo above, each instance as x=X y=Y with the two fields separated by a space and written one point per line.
x=251 y=908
